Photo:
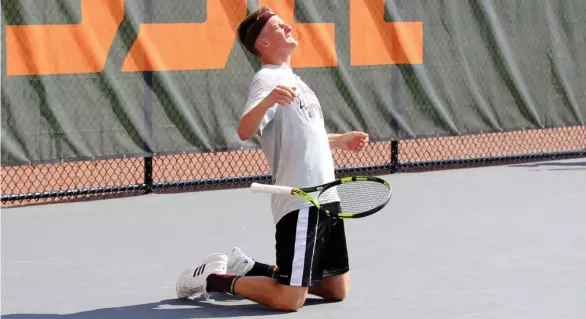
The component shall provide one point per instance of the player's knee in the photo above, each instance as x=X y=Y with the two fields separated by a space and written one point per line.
x=289 y=299
x=338 y=287
x=289 y=304
x=340 y=293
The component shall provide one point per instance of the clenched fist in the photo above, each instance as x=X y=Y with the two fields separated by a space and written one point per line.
x=281 y=95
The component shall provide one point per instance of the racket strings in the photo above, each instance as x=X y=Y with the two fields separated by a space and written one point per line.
x=356 y=197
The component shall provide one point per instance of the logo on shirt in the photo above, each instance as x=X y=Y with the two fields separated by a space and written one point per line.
x=308 y=106
x=302 y=102
x=302 y=99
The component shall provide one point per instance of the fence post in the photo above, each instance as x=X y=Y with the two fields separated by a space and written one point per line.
x=394 y=156
x=148 y=174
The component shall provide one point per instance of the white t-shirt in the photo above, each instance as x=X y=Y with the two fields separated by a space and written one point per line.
x=293 y=138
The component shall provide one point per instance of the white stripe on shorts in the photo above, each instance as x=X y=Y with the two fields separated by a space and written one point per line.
x=300 y=247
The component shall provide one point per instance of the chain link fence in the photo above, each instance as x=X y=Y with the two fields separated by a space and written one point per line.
x=141 y=112
x=219 y=170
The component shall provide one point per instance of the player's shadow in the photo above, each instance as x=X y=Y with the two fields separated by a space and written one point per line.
x=171 y=309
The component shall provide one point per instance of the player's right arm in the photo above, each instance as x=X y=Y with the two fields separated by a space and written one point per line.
x=251 y=120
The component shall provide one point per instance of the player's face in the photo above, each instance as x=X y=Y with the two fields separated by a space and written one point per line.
x=277 y=35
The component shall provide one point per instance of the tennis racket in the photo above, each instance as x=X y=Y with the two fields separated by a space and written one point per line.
x=359 y=196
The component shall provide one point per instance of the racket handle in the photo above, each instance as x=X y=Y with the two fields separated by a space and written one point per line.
x=271 y=189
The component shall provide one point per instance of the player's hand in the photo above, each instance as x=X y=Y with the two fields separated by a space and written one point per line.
x=283 y=95
x=352 y=141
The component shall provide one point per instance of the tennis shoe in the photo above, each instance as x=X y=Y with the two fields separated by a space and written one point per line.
x=193 y=281
x=239 y=264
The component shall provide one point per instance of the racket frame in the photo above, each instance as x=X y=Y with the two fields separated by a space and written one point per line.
x=304 y=193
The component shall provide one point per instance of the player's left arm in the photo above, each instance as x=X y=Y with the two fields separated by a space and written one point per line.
x=332 y=138
x=351 y=141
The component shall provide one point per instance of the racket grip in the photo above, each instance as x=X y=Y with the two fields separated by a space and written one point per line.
x=271 y=189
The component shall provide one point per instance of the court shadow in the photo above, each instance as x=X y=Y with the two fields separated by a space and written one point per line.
x=172 y=309
x=554 y=166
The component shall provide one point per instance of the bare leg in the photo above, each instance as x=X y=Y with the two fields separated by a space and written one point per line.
x=333 y=288
x=270 y=293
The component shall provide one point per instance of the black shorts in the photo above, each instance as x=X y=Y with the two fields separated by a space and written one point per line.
x=310 y=246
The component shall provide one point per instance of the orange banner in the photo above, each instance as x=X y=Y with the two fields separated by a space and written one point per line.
x=188 y=46
x=83 y=48
x=376 y=42
x=63 y=49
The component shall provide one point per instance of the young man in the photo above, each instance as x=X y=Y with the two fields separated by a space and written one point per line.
x=311 y=252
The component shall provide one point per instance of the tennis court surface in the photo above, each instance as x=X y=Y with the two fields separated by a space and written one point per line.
x=492 y=242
